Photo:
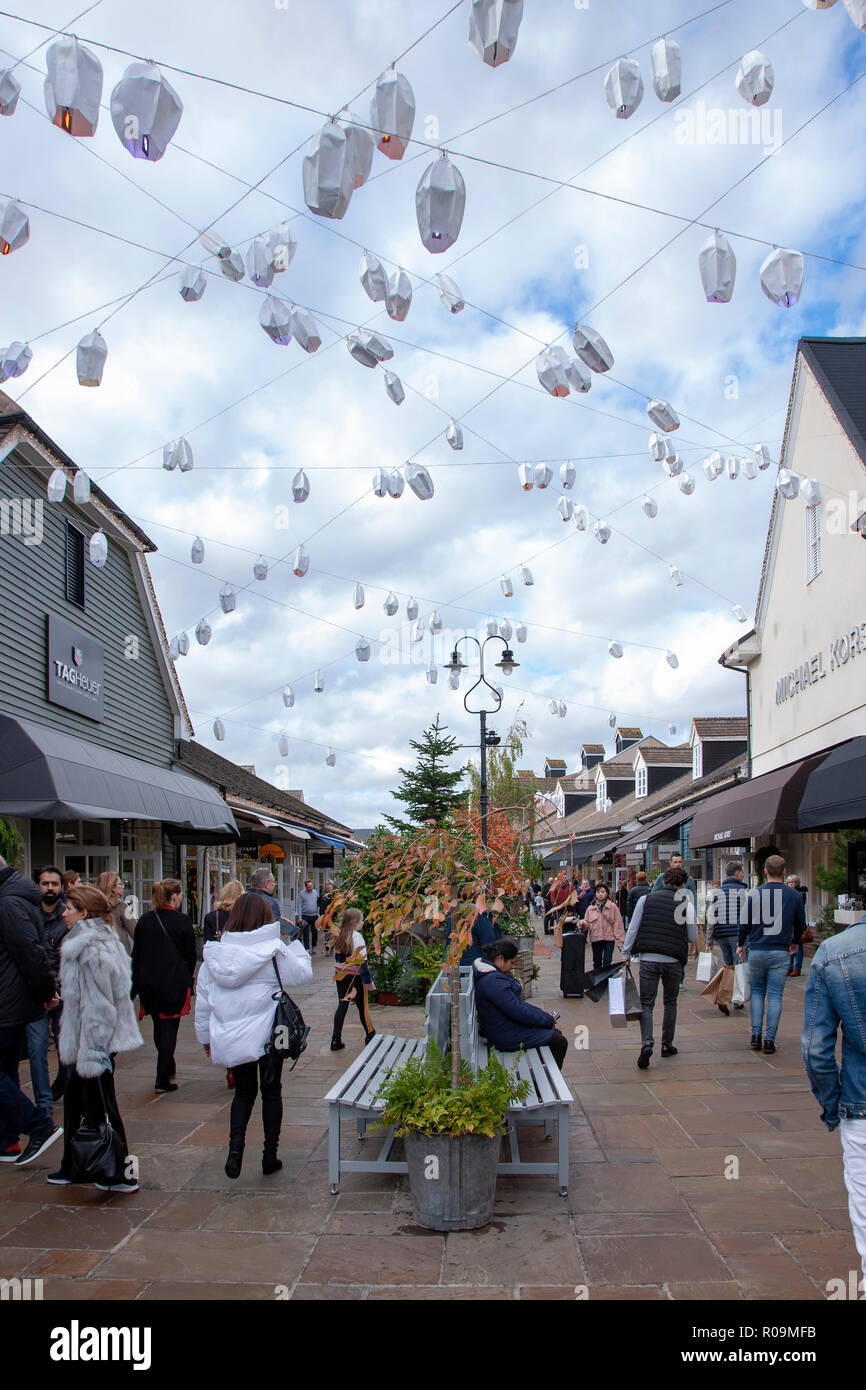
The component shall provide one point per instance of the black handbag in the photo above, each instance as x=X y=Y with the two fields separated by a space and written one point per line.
x=97 y=1153
x=289 y=1032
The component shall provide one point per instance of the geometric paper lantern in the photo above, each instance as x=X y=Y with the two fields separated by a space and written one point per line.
x=392 y=113
x=73 y=87
x=672 y=660
x=435 y=622
x=81 y=488
x=732 y=467
x=374 y=277
x=301 y=562
x=215 y=244
x=432 y=674
x=601 y=531
x=232 y=266
x=611 y=719
x=526 y=576
x=283 y=745
x=362 y=649
x=361 y=147
x=578 y=377
x=197 y=551
x=282 y=245
x=543 y=476
x=90 y=359
x=677 y=577
x=739 y=613
x=331 y=757
x=288 y=696
x=454 y=435
x=394 y=388
x=551 y=366
x=14 y=226
x=380 y=482
x=300 y=486
x=98 y=549
x=440 y=202
x=667 y=65
x=193 y=283
x=567 y=475
x=399 y=296
x=329 y=174
x=762 y=456
x=856 y=12
x=57 y=486
x=493 y=26
x=520 y=632
x=358 y=596
x=219 y=730
x=663 y=415
x=368 y=348
x=526 y=474
x=449 y=292
x=203 y=632
x=305 y=330
x=506 y=585
x=391 y=604
x=749 y=468
x=623 y=87
x=505 y=630
x=581 y=520
x=658 y=447
x=687 y=485
x=14 y=360
x=183 y=643
x=173 y=652
x=275 y=318
x=228 y=599
x=395 y=483
x=673 y=464
x=650 y=506
x=788 y=484
x=260 y=569
x=782 y=276
x=565 y=507
x=259 y=265
x=418 y=631
x=754 y=80
x=492 y=627
x=420 y=481
x=319 y=683
x=591 y=348
x=810 y=491
x=718 y=269
x=615 y=649
x=10 y=90
x=713 y=465
x=145 y=111
x=411 y=609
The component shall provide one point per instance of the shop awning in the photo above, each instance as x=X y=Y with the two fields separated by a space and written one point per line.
x=639 y=839
x=766 y=805
x=835 y=793
x=46 y=774
x=577 y=852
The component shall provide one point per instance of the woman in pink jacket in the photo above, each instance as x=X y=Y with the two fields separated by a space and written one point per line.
x=604 y=927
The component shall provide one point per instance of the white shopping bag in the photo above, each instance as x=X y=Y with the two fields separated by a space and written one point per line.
x=616 y=1001
x=705 y=967
x=742 y=985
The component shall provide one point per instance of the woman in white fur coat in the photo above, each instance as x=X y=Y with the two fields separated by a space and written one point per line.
x=98 y=1022
x=234 y=1015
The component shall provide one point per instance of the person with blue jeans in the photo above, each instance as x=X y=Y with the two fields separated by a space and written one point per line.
x=797 y=963
x=50 y=885
x=724 y=916
x=836 y=994
x=773 y=922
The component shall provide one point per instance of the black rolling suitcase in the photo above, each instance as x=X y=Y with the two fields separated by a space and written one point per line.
x=571 y=966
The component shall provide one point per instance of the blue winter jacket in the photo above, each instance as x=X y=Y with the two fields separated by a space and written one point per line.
x=836 y=993
x=483 y=932
x=773 y=918
x=726 y=910
x=504 y=1017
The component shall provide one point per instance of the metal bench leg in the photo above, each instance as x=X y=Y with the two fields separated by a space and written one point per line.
x=362 y=1129
x=334 y=1149
x=548 y=1129
x=562 y=1137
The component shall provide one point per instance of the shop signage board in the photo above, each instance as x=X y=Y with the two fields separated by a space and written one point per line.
x=75 y=670
x=840 y=650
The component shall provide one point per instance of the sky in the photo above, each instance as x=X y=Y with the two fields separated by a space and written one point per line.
x=109 y=236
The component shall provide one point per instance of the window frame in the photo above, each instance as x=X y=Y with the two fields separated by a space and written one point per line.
x=70 y=598
x=697 y=759
x=814 y=541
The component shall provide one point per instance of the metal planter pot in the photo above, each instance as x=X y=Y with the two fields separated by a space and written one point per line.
x=461 y=1197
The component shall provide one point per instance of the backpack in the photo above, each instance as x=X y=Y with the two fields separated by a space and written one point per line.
x=289 y=1032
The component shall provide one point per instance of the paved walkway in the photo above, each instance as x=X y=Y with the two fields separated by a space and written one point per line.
x=650 y=1213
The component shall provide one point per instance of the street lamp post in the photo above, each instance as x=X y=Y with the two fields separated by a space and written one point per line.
x=506 y=664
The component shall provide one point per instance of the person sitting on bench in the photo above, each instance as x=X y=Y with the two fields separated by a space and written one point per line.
x=504 y=1017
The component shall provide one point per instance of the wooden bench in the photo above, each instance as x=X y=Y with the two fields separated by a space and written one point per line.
x=355 y=1095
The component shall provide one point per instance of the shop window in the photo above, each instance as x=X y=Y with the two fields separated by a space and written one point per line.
x=814 y=548
x=74 y=566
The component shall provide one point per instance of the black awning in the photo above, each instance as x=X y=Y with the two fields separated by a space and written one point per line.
x=765 y=805
x=835 y=793
x=577 y=852
x=639 y=839
x=46 y=774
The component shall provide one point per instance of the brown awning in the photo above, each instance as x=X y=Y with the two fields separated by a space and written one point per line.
x=766 y=805
x=640 y=839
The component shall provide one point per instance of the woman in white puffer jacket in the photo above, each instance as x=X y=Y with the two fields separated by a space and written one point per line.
x=234 y=1015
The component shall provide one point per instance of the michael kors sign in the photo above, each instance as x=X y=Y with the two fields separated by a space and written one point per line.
x=844 y=648
x=75 y=669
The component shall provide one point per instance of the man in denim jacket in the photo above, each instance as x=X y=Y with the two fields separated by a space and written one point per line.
x=836 y=993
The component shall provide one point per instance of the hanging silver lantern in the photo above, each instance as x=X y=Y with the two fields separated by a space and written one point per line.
x=145 y=111
x=762 y=456
x=658 y=447
x=663 y=415
x=394 y=388
x=374 y=278
x=391 y=604
x=615 y=649
x=203 y=632
x=193 y=283
x=623 y=87
x=305 y=330
x=288 y=697
x=581 y=518
x=228 y=599
x=418 y=631
x=73 y=87
x=392 y=113
x=260 y=267
x=856 y=12
x=591 y=348
x=676 y=577
x=331 y=758
x=526 y=475
x=14 y=360
x=301 y=562
x=14 y=226
x=611 y=719
x=672 y=728
x=454 y=435
x=667 y=69
x=319 y=683
x=362 y=649
x=396 y=483
x=369 y=348
x=98 y=553
x=329 y=175
x=567 y=475
x=577 y=376
x=782 y=276
x=282 y=245
x=399 y=298
x=173 y=652
x=601 y=531
x=506 y=586
x=810 y=491
x=300 y=486
x=732 y=467
x=183 y=453
x=493 y=26
x=748 y=468
x=435 y=622
x=449 y=292
x=283 y=745
x=520 y=632
x=551 y=366
x=10 y=90
x=672 y=464
x=183 y=643
x=440 y=202
x=260 y=569
x=553 y=706
x=739 y=613
x=81 y=488
x=543 y=476
x=650 y=506
x=420 y=481
x=361 y=149
x=526 y=576
x=754 y=80
x=672 y=660
x=275 y=318
x=90 y=359
x=215 y=244
x=687 y=484
x=196 y=554
x=565 y=507
x=412 y=609
x=358 y=596
x=718 y=269
x=56 y=486
x=492 y=627
x=788 y=484
x=232 y=267
x=219 y=730
x=432 y=674
x=380 y=482
x=505 y=630
x=713 y=465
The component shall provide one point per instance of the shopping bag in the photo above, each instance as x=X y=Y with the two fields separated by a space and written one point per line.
x=712 y=988
x=705 y=966
x=725 y=992
x=702 y=942
x=633 y=1009
x=596 y=980
x=742 y=984
x=616 y=1002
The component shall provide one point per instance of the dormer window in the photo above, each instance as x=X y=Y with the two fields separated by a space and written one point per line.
x=698 y=759
x=640 y=781
x=600 y=794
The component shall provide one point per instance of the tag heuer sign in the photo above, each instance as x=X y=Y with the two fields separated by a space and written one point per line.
x=75 y=675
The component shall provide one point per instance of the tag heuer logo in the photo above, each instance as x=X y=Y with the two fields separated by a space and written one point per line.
x=77 y=655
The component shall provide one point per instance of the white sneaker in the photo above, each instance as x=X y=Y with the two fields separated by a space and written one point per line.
x=125 y=1185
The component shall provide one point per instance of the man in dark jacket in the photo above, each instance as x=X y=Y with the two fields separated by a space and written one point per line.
x=54 y=928
x=663 y=924
x=27 y=989
x=585 y=897
x=725 y=913
x=774 y=921
x=504 y=1017
x=639 y=890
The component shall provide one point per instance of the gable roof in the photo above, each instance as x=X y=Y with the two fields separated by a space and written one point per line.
x=676 y=757
x=555 y=762
x=622 y=764
x=722 y=727
x=237 y=781
x=629 y=733
x=592 y=748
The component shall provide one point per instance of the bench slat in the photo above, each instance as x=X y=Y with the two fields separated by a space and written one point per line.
x=539 y=1076
x=390 y=1049
x=555 y=1077
x=370 y=1095
x=336 y=1091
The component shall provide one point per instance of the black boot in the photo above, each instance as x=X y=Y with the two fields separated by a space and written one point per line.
x=270 y=1162
x=337 y=1045
x=236 y=1156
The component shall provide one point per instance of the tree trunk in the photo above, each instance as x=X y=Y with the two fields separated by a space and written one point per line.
x=454 y=993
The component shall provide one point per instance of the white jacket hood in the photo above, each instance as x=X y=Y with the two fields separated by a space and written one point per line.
x=235 y=958
x=235 y=1003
